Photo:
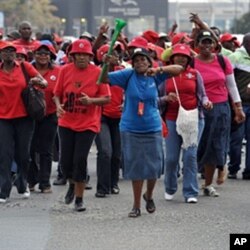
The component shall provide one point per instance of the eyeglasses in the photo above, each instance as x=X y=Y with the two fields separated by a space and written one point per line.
x=42 y=53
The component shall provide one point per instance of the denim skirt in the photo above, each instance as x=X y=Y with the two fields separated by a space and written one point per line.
x=142 y=155
x=214 y=144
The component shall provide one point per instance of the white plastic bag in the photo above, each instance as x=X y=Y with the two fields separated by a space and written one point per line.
x=187 y=126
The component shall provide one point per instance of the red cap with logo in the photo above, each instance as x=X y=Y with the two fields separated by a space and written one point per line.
x=139 y=42
x=102 y=51
x=181 y=49
x=81 y=46
x=227 y=37
x=105 y=48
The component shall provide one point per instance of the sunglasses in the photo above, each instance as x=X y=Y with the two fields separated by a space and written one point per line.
x=42 y=53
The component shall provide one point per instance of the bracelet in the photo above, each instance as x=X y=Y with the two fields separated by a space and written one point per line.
x=239 y=108
x=161 y=70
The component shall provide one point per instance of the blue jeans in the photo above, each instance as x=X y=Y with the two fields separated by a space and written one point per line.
x=108 y=143
x=237 y=135
x=173 y=149
x=15 y=143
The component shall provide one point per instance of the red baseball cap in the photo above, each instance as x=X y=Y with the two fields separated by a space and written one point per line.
x=138 y=42
x=181 y=49
x=105 y=48
x=177 y=38
x=21 y=50
x=158 y=50
x=102 y=51
x=81 y=46
x=151 y=36
x=5 y=45
x=237 y=43
x=226 y=37
x=49 y=46
x=57 y=38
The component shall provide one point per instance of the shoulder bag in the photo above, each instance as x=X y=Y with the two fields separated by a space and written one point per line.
x=187 y=123
x=33 y=99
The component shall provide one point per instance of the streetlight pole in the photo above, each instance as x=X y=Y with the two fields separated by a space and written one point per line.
x=235 y=17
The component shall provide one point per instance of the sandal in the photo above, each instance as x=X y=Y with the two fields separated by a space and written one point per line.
x=150 y=205
x=135 y=212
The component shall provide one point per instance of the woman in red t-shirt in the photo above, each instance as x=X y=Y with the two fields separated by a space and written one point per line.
x=45 y=130
x=16 y=127
x=188 y=90
x=78 y=99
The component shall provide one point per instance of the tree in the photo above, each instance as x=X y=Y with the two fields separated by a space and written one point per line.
x=38 y=12
x=242 y=25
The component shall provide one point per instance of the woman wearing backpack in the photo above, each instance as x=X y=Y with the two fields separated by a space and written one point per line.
x=219 y=83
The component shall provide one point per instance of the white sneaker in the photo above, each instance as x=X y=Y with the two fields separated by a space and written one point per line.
x=2 y=200
x=168 y=197
x=210 y=191
x=26 y=194
x=192 y=200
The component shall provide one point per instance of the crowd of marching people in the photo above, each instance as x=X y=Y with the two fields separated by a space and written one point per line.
x=168 y=104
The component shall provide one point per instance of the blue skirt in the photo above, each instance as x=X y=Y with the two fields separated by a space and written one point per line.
x=214 y=144
x=142 y=155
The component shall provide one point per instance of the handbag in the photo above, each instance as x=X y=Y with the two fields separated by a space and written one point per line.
x=187 y=123
x=33 y=99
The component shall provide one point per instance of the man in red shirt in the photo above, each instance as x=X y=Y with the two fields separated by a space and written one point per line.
x=26 y=40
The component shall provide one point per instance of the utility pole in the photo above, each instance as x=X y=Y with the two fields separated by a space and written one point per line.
x=235 y=17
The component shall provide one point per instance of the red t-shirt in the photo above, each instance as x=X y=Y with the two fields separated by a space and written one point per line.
x=11 y=86
x=51 y=77
x=70 y=84
x=28 y=45
x=114 y=108
x=186 y=84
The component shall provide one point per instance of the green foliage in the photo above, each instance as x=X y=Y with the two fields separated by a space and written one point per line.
x=242 y=25
x=38 y=12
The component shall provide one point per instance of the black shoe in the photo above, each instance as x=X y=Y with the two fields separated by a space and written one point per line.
x=150 y=205
x=69 y=197
x=232 y=176
x=245 y=176
x=135 y=212
x=100 y=195
x=60 y=182
x=115 y=190
x=79 y=207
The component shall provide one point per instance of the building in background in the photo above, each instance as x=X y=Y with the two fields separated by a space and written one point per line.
x=78 y=16
x=220 y=13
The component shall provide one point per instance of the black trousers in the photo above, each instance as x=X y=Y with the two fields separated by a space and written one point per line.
x=42 y=151
x=75 y=147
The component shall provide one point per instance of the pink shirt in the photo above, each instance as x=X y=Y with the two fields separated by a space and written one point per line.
x=214 y=78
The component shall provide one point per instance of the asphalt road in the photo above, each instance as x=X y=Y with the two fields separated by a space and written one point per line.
x=44 y=222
